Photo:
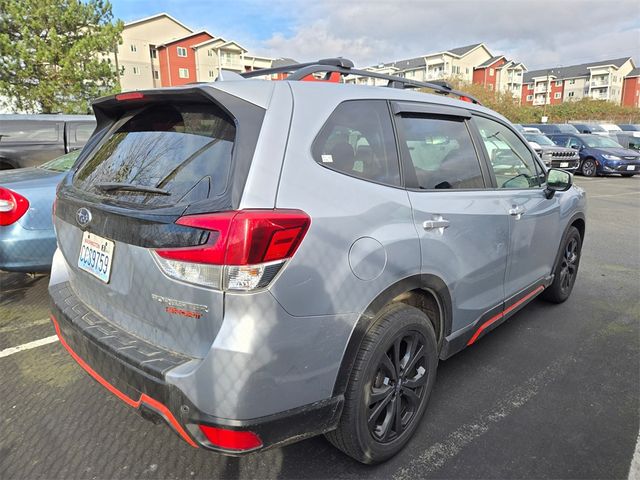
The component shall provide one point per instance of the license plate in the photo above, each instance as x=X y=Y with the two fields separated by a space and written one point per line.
x=95 y=256
x=631 y=167
x=564 y=164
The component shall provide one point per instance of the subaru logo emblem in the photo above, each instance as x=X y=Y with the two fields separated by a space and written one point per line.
x=83 y=216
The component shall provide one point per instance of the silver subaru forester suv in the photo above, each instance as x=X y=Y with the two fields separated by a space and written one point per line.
x=257 y=262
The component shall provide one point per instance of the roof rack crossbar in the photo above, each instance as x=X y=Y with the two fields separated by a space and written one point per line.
x=345 y=67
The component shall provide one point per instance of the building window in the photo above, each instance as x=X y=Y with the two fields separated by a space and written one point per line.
x=136 y=70
x=467 y=70
x=154 y=53
x=210 y=53
x=530 y=86
x=615 y=79
x=133 y=48
x=571 y=94
x=558 y=83
x=490 y=86
x=491 y=72
x=529 y=98
x=183 y=73
x=212 y=73
x=156 y=75
x=557 y=95
x=182 y=52
x=572 y=81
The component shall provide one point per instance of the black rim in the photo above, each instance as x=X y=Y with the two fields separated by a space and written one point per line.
x=588 y=168
x=398 y=387
x=569 y=265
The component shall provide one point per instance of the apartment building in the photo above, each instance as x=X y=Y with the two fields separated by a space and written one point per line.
x=500 y=74
x=137 y=56
x=458 y=62
x=601 y=80
x=216 y=54
x=160 y=51
x=471 y=64
x=631 y=89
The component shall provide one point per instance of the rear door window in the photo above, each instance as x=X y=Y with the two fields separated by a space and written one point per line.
x=441 y=152
x=162 y=155
x=358 y=140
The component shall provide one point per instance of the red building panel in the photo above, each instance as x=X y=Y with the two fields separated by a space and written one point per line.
x=171 y=62
x=631 y=92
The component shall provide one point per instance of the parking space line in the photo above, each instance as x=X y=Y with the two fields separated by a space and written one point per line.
x=27 y=346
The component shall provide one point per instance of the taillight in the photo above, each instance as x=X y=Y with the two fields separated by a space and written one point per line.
x=245 y=250
x=12 y=206
x=239 y=440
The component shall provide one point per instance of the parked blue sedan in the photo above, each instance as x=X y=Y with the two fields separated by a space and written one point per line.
x=27 y=239
x=600 y=155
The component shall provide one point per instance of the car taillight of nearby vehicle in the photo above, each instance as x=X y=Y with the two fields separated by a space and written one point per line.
x=12 y=206
x=245 y=250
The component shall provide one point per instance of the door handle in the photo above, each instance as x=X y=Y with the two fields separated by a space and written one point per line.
x=437 y=223
x=516 y=211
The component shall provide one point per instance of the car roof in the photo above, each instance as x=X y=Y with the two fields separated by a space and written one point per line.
x=254 y=90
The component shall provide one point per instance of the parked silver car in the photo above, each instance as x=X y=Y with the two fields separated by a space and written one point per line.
x=257 y=262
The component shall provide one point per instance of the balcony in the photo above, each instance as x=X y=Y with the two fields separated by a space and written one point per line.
x=541 y=89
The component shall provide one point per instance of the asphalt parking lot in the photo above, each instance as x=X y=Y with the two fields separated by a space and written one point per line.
x=553 y=393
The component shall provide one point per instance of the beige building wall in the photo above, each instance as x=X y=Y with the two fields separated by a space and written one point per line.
x=463 y=67
x=575 y=89
x=134 y=53
x=219 y=55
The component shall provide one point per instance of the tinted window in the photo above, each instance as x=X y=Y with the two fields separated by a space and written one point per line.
x=84 y=131
x=441 y=152
x=185 y=150
x=29 y=132
x=358 y=140
x=512 y=162
x=560 y=140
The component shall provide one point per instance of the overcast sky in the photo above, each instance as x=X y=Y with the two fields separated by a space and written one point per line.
x=540 y=33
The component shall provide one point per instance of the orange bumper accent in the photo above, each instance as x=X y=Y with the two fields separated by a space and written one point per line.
x=144 y=399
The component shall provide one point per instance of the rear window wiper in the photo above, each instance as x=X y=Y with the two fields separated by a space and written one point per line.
x=130 y=187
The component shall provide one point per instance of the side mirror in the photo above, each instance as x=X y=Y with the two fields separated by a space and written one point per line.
x=576 y=147
x=557 y=181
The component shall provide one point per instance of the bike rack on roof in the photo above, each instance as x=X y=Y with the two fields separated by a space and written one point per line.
x=344 y=67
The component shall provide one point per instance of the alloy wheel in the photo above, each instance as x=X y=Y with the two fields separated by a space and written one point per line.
x=588 y=168
x=397 y=388
x=569 y=265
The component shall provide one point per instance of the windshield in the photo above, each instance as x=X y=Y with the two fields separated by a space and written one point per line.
x=184 y=150
x=61 y=164
x=539 y=139
x=600 y=142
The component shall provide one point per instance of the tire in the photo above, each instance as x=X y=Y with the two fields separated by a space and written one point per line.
x=627 y=175
x=589 y=168
x=566 y=270
x=369 y=430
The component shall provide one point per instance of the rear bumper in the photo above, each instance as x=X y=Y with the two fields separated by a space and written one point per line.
x=24 y=250
x=140 y=382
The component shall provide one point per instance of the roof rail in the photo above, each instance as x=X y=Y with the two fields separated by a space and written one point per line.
x=299 y=71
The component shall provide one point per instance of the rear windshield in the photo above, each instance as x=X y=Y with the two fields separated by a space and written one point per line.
x=174 y=153
x=538 y=138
